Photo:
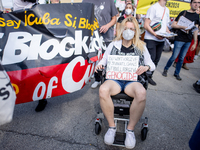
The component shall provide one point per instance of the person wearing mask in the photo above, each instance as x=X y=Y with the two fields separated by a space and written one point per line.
x=135 y=2
x=128 y=13
x=25 y=4
x=183 y=40
x=127 y=43
x=105 y=12
x=157 y=13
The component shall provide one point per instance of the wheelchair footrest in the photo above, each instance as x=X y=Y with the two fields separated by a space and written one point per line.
x=119 y=138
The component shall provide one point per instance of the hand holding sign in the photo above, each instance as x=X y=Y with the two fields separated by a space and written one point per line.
x=99 y=67
x=184 y=22
x=142 y=69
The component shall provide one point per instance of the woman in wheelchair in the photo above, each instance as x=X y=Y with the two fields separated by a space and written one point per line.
x=127 y=42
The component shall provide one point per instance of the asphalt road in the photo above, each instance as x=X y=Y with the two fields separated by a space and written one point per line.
x=67 y=123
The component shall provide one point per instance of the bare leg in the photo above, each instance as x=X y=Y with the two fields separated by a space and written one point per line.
x=137 y=91
x=107 y=89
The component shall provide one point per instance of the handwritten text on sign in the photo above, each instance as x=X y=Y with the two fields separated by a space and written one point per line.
x=122 y=67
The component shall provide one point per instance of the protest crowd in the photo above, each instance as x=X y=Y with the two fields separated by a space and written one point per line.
x=124 y=33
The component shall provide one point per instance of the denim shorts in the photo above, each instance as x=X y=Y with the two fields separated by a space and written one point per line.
x=122 y=83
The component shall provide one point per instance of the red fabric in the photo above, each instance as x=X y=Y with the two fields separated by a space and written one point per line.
x=190 y=54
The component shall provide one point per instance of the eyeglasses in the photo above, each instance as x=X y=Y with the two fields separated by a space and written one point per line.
x=133 y=29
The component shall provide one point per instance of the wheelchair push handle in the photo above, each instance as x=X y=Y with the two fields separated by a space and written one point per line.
x=101 y=73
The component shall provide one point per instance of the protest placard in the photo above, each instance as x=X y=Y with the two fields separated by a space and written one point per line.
x=122 y=67
x=183 y=21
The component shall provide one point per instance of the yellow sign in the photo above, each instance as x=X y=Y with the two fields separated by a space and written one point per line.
x=175 y=7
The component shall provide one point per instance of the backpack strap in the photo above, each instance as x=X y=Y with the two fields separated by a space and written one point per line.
x=124 y=16
x=184 y=13
x=163 y=14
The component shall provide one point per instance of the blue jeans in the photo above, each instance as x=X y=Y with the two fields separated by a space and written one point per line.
x=122 y=83
x=180 y=48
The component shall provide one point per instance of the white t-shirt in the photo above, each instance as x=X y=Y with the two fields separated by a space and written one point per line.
x=19 y=4
x=155 y=13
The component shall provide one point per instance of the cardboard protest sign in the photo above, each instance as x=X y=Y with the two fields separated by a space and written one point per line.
x=183 y=21
x=122 y=67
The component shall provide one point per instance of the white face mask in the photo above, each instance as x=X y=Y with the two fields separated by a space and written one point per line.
x=128 y=34
x=128 y=11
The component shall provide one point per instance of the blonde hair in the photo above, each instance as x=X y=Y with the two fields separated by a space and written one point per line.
x=136 y=39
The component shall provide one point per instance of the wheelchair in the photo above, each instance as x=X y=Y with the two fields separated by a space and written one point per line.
x=122 y=103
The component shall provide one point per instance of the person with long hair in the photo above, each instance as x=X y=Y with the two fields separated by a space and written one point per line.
x=128 y=43
x=128 y=13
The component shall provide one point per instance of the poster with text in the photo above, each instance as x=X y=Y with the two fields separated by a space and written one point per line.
x=122 y=67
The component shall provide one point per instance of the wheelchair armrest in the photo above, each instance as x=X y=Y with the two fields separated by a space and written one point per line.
x=101 y=73
x=143 y=78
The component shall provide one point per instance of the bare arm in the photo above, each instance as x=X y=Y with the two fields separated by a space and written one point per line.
x=105 y=28
x=149 y=29
x=195 y=39
x=174 y=25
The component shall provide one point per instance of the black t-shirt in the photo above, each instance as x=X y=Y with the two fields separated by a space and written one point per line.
x=121 y=18
x=129 y=49
x=182 y=36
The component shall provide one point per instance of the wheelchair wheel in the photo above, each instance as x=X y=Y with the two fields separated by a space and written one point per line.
x=144 y=133
x=97 y=128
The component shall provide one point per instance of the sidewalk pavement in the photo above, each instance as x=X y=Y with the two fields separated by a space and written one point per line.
x=67 y=123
